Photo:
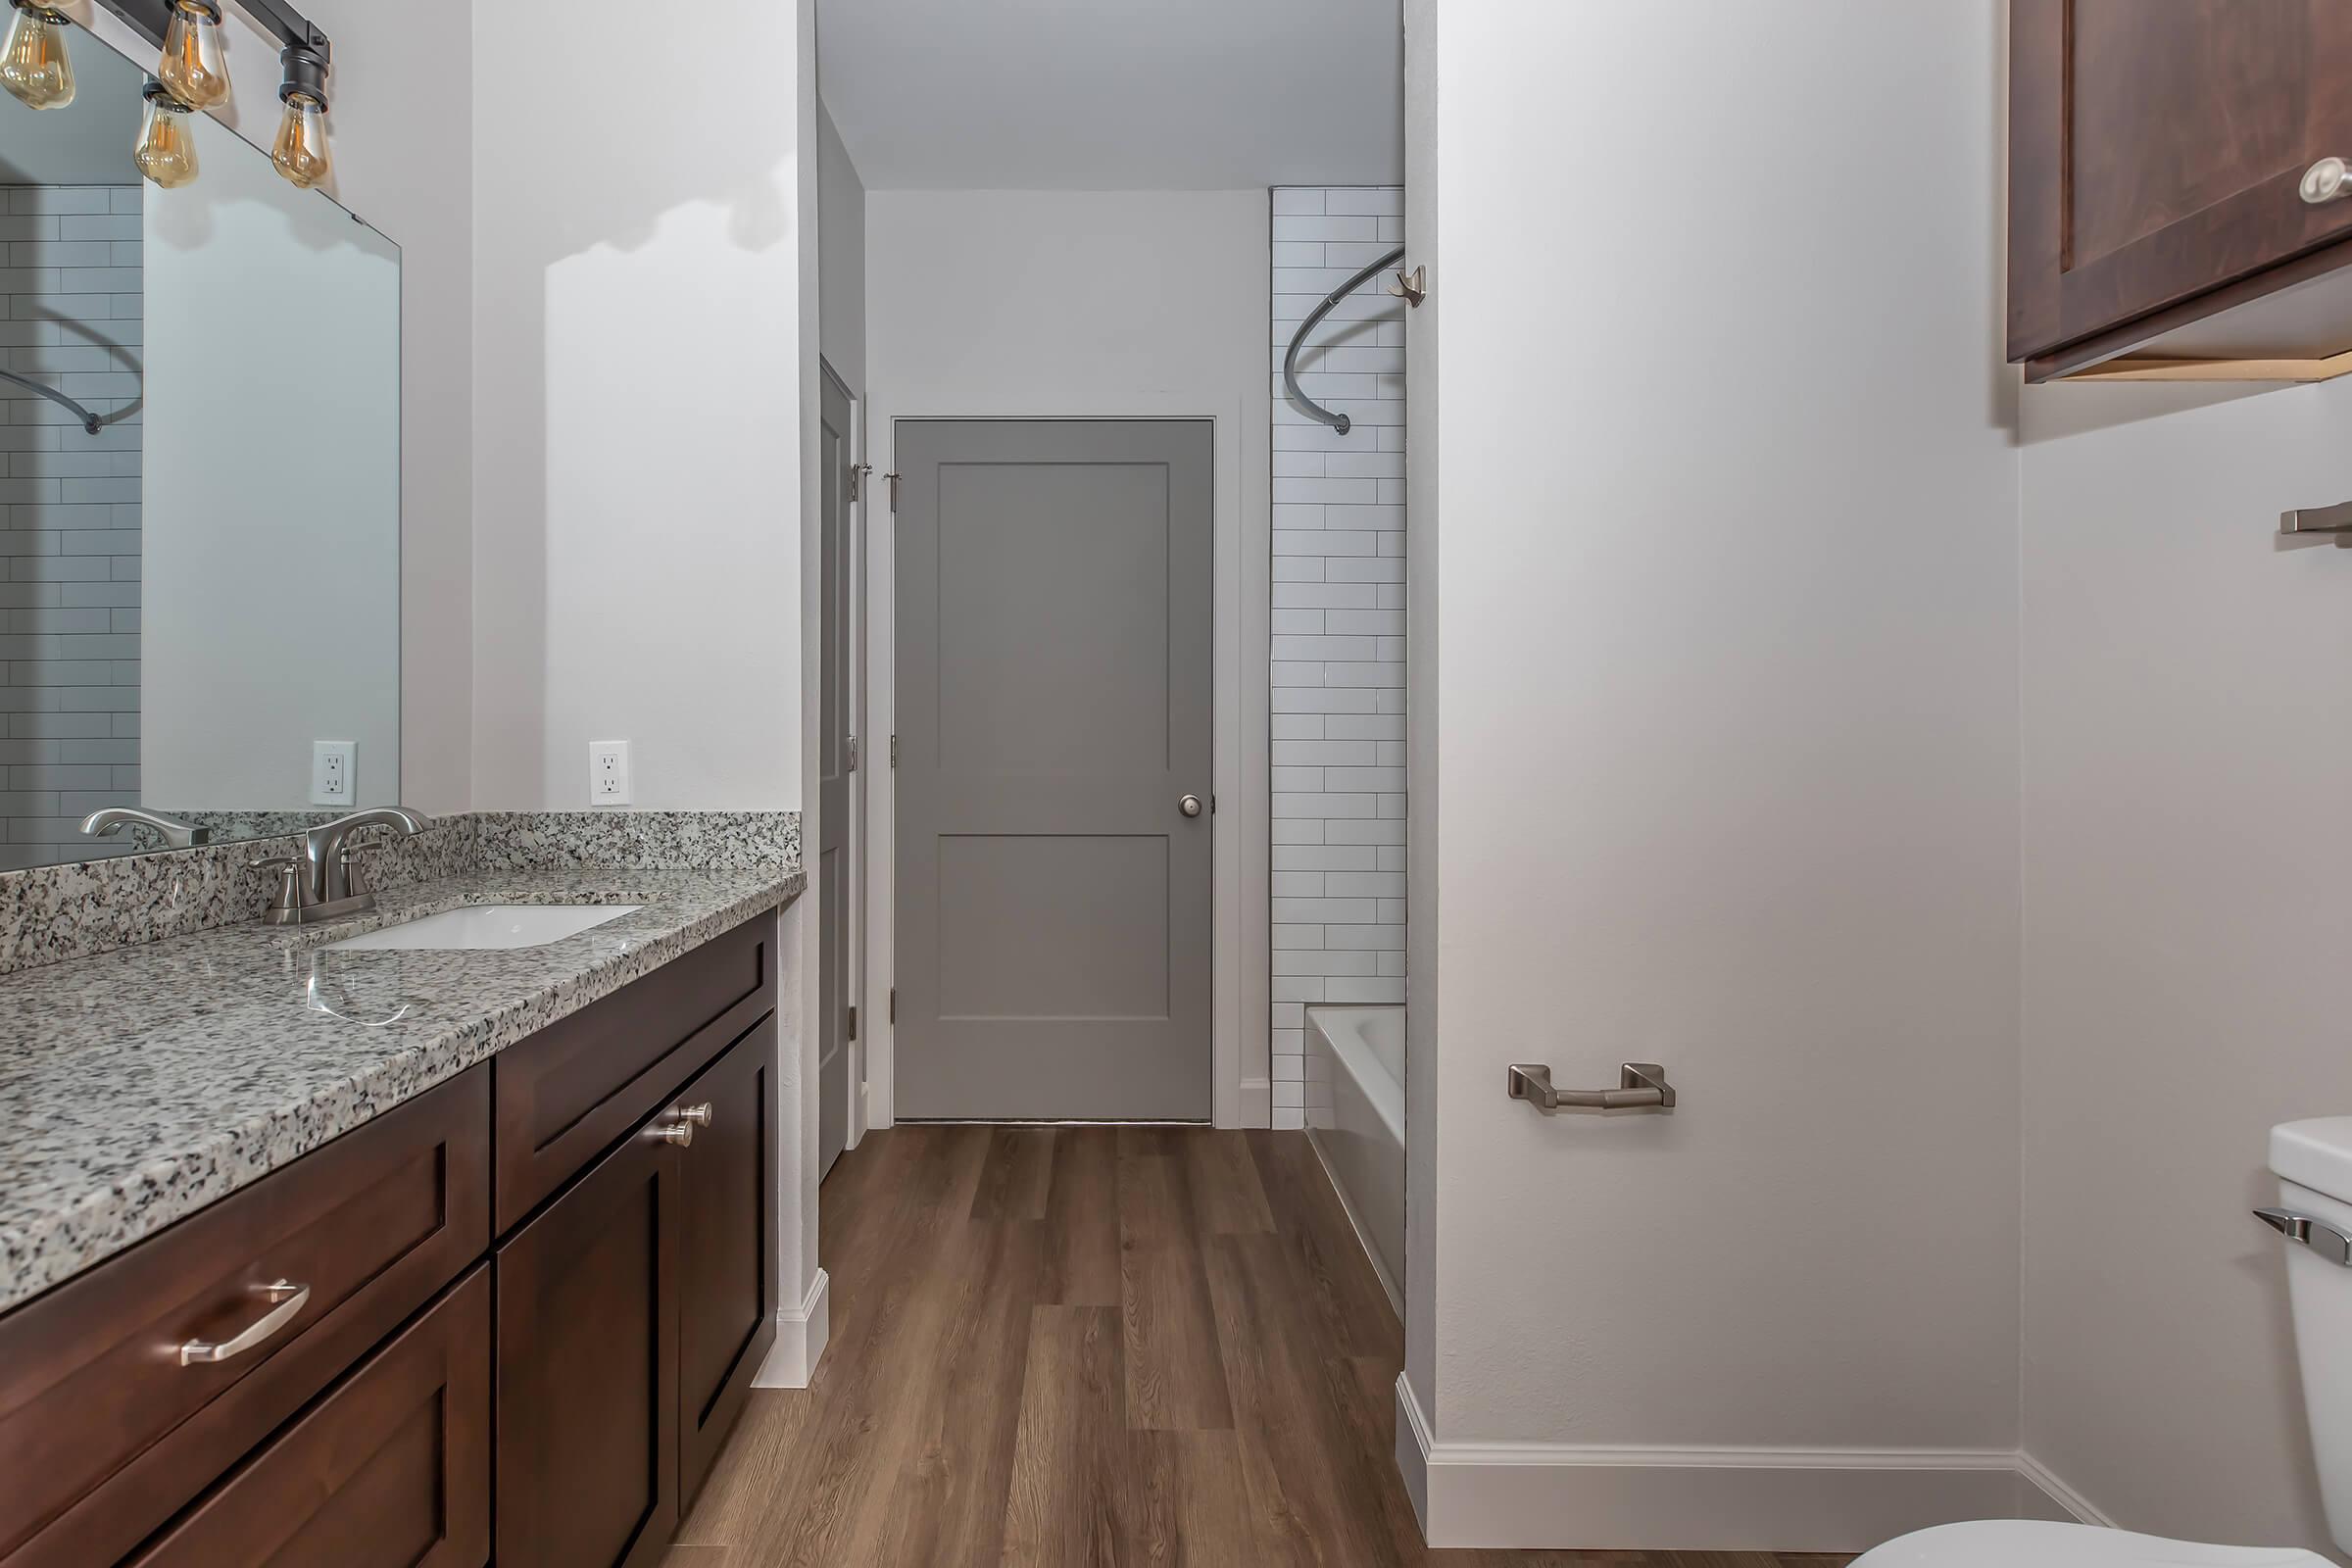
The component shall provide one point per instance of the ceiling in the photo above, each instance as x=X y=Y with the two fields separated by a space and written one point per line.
x=1114 y=94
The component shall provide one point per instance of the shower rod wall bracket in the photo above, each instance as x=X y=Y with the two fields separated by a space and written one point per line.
x=1331 y=302
x=1411 y=287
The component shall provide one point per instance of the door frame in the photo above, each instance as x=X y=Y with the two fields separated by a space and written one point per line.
x=1241 y=956
x=853 y=841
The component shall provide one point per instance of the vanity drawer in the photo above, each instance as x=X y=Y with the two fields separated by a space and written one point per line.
x=392 y=1470
x=106 y=1432
x=570 y=1092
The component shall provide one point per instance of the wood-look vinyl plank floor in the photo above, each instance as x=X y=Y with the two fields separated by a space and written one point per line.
x=1079 y=1348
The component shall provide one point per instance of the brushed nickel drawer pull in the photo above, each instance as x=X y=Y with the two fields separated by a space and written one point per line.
x=1642 y=1087
x=291 y=1299
x=699 y=1115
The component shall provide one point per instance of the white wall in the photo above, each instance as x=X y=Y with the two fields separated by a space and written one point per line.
x=2188 y=734
x=273 y=525
x=403 y=126
x=1725 y=645
x=639 y=362
x=1099 y=304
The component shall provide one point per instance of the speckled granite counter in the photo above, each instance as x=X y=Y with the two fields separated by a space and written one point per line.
x=140 y=1085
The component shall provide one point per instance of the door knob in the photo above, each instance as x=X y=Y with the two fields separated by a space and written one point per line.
x=1190 y=806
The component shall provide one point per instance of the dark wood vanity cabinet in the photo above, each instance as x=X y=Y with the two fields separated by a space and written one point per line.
x=2155 y=154
x=570 y=1374
x=389 y=1470
x=632 y=1312
x=727 y=1249
x=588 y=1368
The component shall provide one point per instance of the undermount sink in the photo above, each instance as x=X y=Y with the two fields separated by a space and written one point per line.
x=490 y=927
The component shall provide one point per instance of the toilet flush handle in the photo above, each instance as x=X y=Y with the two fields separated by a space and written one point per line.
x=2312 y=1230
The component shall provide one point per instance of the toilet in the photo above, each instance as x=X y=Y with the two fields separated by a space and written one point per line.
x=2313 y=1161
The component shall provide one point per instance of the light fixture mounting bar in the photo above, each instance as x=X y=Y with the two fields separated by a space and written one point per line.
x=289 y=27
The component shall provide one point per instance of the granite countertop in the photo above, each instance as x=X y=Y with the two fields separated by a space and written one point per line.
x=140 y=1085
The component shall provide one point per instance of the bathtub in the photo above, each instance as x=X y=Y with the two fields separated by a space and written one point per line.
x=1355 y=1118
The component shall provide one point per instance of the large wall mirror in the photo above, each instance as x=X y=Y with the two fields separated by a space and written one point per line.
x=200 y=410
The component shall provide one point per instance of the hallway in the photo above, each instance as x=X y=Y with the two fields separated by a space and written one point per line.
x=1087 y=1346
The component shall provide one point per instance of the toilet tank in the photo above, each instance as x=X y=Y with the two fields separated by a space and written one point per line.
x=2313 y=1161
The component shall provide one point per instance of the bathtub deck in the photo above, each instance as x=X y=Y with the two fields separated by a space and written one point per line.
x=1088 y=1346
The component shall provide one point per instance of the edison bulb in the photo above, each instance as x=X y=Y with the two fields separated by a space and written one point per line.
x=301 y=153
x=194 y=66
x=33 y=65
x=166 y=147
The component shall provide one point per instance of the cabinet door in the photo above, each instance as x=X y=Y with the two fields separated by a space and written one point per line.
x=390 y=1470
x=726 y=1256
x=2155 y=150
x=588 y=1369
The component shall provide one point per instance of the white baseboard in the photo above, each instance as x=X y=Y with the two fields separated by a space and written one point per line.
x=1256 y=1103
x=1413 y=1444
x=2050 y=1497
x=1537 y=1496
x=801 y=1332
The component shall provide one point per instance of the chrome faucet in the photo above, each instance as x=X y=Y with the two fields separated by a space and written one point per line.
x=114 y=819
x=321 y=885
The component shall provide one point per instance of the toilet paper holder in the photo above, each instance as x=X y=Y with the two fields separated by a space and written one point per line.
x=1642 y=1085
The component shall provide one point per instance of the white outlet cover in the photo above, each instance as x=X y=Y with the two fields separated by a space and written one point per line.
x=334 y=770
x=608 y=772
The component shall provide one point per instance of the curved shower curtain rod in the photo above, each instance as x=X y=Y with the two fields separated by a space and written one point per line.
x=1290 y=362
x=89 y=422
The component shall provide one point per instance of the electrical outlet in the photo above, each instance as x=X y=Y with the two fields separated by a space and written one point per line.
x=608 y=772
x=333 y=766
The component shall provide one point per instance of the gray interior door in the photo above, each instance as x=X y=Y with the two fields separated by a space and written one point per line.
x=832 y=859
x=1053 y=633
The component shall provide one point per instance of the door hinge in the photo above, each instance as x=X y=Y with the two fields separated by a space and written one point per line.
x=853 y=1023
x=894 y=751
x=849 y=759
x=858 y=474
x=893 y=1003
x=894 y=490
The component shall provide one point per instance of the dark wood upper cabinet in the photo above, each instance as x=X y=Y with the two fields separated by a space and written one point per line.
x=2155 y=153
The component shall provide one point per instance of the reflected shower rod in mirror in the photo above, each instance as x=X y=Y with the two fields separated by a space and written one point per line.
x=90 y=422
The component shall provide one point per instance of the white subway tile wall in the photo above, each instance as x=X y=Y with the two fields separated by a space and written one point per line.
x=76 y=301
x=1338 y=656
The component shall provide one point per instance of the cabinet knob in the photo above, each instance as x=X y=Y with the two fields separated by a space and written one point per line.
x=2327 y=180
x=699 y=1115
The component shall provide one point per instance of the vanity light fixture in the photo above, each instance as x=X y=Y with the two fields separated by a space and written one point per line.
x=301 y=153
x=165 y=152
x=34 y=67
x=194 y=66
x=194 y=69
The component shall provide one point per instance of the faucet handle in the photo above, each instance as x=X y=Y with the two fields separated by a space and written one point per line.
x=355 y=870
x=293 y=885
